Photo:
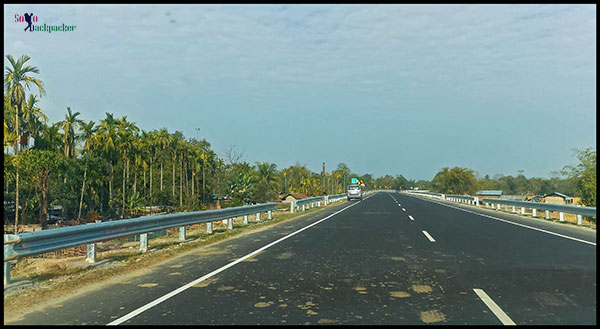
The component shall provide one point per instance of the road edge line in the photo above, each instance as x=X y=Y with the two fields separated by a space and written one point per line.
x=498 y=312
x=161 y=299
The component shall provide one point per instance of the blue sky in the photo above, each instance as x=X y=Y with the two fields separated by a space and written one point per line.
x=386 y=89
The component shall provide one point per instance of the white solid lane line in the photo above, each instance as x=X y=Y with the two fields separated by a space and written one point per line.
x=241 y=259
x=428 y=236
x=498 y=312
x=411 y=217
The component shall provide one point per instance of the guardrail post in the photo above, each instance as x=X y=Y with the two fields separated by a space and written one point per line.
x=229 y=223
x=513 y=209
x=209 y=227
x=90 y=250
x=505 y=207
x=498 y=207
x=579 y=219
x=547 y=214
x=258 y=216
x=533 y=212
x=325 y=200
x=245 y=219
x=6 y=273
x=90 y=253
x=302 y=208
x=144 y=242
x=522 y=210
x=477 y=201
x=269 y=215
x=561 y=216
x=182 y=233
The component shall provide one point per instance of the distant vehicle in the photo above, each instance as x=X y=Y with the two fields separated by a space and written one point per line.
x=354 y=192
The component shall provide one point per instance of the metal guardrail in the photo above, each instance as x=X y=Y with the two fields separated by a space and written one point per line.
x=461 y=197
x=302 y=204
x=39 y=242
x=560 y=208
x=35 y=243
x=472 y=200
x=309 y=200
x=534 y=206
x=427 y=193
x=336 y=197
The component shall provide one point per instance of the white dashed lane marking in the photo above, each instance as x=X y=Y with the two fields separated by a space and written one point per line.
x=428 y=236
x=411 y=217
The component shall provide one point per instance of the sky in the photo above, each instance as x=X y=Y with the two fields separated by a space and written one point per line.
x=387 y=89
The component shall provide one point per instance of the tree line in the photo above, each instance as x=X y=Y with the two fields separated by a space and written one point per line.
x=112 y=168
x=573 y=180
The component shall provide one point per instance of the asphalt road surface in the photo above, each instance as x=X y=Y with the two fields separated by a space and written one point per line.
x=389 y=259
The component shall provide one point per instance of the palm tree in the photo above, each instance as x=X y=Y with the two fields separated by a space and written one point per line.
x=175 y=142
x=267 y=181
x=164 y=139
x=69 y=124
x=33 y=119
x=49 y=139
x=87 y=132
x=104 y=141
x=16 y=79
x=150 y=145
x=125 y=136
x=138 y=152
x=10 y=135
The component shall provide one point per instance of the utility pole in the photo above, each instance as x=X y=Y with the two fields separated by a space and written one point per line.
x=323 y=184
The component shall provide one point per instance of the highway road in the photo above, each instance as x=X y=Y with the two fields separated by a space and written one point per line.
x=389 y=259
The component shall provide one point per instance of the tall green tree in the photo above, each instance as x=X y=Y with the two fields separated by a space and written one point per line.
x=455 y=181
x=17 y=78
x=104 y=144
x=164 y=140
x=584 y=174
x=39 y=165
x=34 y=119
x=87 y=132
x=70 y=125
x=267 y=181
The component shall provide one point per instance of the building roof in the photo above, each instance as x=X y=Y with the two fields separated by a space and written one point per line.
x=535 y=198
x=295 y=196
x=489 y=192
x=514 y=197
x=558 y=194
